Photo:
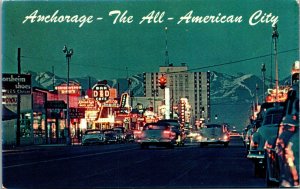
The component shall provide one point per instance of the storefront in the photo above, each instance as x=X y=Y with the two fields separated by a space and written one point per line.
x=39 y=98
x=56 y=121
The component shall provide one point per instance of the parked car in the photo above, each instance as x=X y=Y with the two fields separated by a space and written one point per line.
x=120 y=132
x=268 y=129
x=110 y=136
x=282 y=151
x=157 y=134
x=211 y=133
x=129 y=136
x=175 y=127
x=93 y=136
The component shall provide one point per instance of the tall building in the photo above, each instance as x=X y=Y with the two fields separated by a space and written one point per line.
x=194 y=86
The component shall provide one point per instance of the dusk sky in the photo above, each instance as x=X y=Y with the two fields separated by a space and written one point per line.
x=105 y=46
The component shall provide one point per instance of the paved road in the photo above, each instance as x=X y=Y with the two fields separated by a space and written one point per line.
x=126 y=165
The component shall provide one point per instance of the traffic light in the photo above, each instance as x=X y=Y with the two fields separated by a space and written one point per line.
x=162 y=82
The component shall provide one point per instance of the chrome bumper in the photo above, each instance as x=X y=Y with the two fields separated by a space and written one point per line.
x=256 y=154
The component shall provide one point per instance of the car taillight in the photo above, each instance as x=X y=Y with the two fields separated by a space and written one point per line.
x=169 y=134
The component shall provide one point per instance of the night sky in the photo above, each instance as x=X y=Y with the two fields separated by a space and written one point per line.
x=107 y=50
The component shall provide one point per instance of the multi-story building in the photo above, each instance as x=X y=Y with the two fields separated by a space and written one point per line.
x=194 y=86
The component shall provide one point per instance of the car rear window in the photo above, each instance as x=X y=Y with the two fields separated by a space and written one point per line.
x=272 y=119
x=155 y=127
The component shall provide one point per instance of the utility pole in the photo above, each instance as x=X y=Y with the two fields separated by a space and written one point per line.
x=89 y=82
x=275 y=36
x=256 y=94
x=18 y=134
x=53 y=79
x=167 y=55
x=263 y=70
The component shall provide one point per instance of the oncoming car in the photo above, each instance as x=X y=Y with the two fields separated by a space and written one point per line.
x=157 y=134
x=93 y=136
x=214 y=134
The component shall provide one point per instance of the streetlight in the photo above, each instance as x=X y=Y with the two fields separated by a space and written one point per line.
x=68 y=53
x=275 y=36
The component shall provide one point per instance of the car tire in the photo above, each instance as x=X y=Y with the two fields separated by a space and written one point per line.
x=270 y=183
x=259 y=171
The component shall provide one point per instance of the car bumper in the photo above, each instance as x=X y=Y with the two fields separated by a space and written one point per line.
x=155 y=141
x=256 y=154
x=213 y=141
x=92 y=141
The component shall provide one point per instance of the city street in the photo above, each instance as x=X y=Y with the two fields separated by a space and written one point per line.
x=126 y=165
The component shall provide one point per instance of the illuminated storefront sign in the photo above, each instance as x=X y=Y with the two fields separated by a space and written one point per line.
x=91 y=115
x=74 y=89
x=9 y=100
x=16 y=83
x=87 y=103
x=282 y=94
x=101 y=92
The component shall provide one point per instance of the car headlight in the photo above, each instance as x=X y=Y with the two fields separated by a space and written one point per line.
x=199 y=137
x=225 y=137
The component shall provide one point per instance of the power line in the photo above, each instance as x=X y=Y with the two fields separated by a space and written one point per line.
x=235 y=62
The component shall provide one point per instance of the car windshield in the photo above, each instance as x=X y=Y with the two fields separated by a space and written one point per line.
x=92 y=132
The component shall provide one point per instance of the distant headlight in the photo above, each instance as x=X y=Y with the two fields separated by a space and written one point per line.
x=199 y=137
x=225 y=137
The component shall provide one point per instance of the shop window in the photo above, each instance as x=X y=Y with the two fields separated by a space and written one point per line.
x=38 y=125
x=25 y=125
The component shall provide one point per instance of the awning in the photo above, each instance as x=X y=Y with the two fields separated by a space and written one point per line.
x=7 y=114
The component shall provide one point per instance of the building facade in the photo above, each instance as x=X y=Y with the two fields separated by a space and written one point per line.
x=193 y=86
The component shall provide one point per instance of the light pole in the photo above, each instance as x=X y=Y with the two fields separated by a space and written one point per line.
x=68 y=53
x=275 y=36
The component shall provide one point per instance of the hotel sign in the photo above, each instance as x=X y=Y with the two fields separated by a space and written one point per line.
x=16 y=84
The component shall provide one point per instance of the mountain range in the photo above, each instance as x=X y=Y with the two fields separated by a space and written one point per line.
x=231 y=95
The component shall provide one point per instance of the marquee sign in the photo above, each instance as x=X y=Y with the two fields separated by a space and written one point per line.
x=74 y=88
x=16 y=83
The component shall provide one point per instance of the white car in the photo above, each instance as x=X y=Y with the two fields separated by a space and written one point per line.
x=157 y=134
x=213 y=134
x=93 y=136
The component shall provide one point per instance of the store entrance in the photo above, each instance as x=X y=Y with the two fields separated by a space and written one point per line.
x=55 y=132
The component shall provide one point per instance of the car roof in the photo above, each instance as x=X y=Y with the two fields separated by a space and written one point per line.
x=275 y=110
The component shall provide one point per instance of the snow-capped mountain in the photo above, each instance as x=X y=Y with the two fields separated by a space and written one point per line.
x=231 y=95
